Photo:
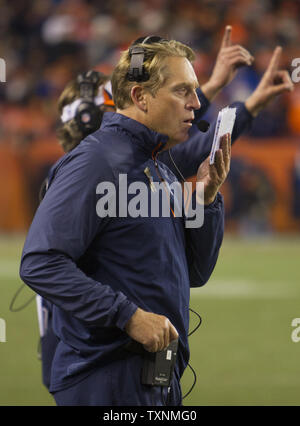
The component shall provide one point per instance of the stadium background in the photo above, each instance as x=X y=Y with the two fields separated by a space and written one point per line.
x=243 y=353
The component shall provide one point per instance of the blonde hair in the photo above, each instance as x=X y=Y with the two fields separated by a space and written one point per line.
x=69 y=134
x=154 y=64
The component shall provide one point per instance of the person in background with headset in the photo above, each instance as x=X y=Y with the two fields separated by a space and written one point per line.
x=110 y=278
x=70 y=133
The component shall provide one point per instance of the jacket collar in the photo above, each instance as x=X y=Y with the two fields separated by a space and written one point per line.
x=146 y=139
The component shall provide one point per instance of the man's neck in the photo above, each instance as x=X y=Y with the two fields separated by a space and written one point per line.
x=137 y=115
x=132 y=113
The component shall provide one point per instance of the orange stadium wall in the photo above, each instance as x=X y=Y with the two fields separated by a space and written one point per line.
x=14 y=212
x=277 y=159
x=21 y=173
x=22 y=170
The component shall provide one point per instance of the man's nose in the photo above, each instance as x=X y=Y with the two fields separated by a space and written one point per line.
x=194 y=102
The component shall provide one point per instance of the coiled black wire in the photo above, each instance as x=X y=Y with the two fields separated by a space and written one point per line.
x=11 y=306
x=193 y=385
x=198 y=325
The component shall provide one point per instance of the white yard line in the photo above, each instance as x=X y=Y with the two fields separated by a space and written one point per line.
x=215 y=288
x=245 y=289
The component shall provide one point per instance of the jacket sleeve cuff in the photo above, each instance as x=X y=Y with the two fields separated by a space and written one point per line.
x=215 y=204
x=243 y=110
x=125 y=312
x=244 y=121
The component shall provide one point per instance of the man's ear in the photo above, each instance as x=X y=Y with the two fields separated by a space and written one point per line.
x=139 y=98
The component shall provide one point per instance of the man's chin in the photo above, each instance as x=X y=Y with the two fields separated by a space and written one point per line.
x=183 y=138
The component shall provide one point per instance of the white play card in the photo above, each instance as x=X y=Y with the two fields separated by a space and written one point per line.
x=225 y=123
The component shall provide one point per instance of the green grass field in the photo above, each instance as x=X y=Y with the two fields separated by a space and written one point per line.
x=243 y=352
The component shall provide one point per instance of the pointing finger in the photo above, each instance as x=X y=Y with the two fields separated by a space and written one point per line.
x=274 y=62
x=226 y=41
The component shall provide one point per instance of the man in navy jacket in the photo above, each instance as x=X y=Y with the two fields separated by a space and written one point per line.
x=113 y=279
x=188 y=157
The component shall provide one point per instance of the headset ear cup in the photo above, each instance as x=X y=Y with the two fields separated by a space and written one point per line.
x=137 y=55
x=136 y=70
x=88 y=117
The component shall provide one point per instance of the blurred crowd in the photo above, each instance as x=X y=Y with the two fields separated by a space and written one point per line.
x=47 y=42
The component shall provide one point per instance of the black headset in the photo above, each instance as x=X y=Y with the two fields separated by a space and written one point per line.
x=137 y=54
x=88 y=115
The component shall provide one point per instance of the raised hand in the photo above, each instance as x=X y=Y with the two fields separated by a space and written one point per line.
x=213 y=176
x=229 y=59
x=272 y=83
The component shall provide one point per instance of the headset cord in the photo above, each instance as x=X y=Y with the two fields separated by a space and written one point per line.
x=11 y=306
x=174 y=164
x=195 y=380
x=12 y=309
x=200 y=319
x=42 y=193
x=198 y=325
x=166 y=400
x=189 y=365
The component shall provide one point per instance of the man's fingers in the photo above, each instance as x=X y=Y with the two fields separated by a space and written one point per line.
x=274 y=62
x=281 y=82
x=283 y=77
x=236 y=48
x=163 y=341
x=226 y=40
x=167 y=337
x=163 y=336
x=157 y=343
x=153 y=331
x=239 y=60
x=220 y=164
x=279 y=88
x=237 y=51
x=222 y=161
x=226 y=149
x=214 y=168
x=173 y=333
x=153 y=347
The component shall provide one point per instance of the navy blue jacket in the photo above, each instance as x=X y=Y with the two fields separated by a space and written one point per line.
x=97 y=271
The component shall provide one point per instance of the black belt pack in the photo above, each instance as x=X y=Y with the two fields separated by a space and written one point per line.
x=158 y=367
